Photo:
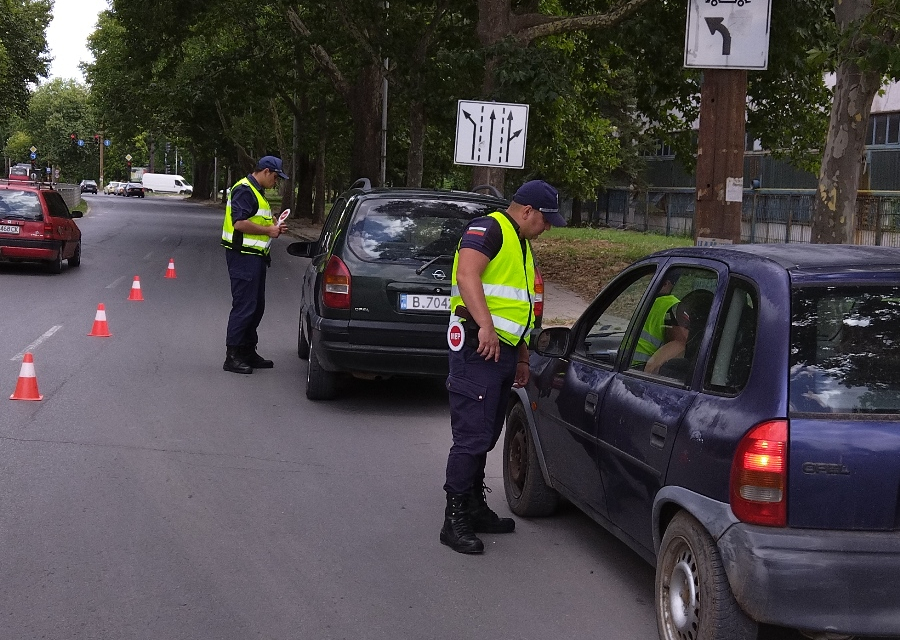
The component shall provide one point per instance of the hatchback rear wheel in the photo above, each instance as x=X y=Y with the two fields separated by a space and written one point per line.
x=55 y=265
x=302 y=342
x=693 y=597
x=320 y=384
x=75 y=260
x=523 y=481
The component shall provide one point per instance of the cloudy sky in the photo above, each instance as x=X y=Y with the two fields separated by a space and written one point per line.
x=73 y=21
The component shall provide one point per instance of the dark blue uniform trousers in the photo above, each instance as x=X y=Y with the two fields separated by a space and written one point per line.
x=479 y=391
x=248 y=297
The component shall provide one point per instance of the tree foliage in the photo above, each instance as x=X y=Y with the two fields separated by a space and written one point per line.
x=23 y=50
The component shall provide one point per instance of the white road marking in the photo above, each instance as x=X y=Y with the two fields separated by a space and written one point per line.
x=147 y=257
x=115 y=282
x=36 y=343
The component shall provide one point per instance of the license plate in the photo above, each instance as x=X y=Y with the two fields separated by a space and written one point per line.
x=420 y=302
x=9 y=228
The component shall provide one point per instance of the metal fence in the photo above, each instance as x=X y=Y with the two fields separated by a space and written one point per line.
x=767 y=215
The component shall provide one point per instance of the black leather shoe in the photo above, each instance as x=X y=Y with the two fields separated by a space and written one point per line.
x=255 y=360
x=234 y=361
x=457 y=530
x=482 y=517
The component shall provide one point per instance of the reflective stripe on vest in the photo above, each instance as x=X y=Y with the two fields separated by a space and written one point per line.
x=653 y=333
x=508 y=284
x=252 y=244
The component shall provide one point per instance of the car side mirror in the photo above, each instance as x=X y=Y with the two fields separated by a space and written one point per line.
x=553 y=342
x=76 y=214
x=301 y=249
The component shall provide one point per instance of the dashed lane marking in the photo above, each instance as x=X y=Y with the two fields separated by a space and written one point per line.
x=34 y=345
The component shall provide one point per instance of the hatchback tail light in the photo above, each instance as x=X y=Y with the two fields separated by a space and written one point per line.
x=48 y=228
x=538 y=294
x=759 y=475
x=336 y=284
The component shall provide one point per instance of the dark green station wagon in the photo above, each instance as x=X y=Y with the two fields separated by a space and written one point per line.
x=376 y=293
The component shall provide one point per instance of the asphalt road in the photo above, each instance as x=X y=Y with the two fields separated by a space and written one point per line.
x=151 y=495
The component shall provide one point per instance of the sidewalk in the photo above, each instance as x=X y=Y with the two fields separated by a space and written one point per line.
x=561 y=306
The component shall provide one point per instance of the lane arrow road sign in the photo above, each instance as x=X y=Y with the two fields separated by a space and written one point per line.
x=715 y=24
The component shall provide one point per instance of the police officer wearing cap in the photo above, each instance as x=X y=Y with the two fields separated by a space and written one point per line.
x=247 y=234
x=493 y=299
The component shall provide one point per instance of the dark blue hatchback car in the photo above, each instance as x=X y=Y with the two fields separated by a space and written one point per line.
x=733 y=415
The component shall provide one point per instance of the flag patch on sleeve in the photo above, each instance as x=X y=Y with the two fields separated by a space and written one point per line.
x=476 y=231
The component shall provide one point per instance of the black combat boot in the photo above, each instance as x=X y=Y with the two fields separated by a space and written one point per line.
x=254 y=359
x=483 y=519
x=457 y=531
x=234 y=361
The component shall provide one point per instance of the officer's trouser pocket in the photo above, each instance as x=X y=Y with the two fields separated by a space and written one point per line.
x=469 y=415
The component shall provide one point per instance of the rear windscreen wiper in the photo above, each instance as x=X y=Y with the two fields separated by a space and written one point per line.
x=430 y=262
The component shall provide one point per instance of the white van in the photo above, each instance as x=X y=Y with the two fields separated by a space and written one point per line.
x=166 y=183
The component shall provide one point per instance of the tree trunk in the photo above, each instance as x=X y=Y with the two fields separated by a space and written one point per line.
x=415 y=160
x=202 y=180
x=321 y=147
x=366 y=110
x=834 y=218
x=576 y=212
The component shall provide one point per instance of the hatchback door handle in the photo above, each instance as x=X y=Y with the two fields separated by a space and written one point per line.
x=590 y=403
x=658 y=434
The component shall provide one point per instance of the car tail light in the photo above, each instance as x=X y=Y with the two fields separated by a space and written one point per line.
x=48 y=228
x=538 y=294
x=759 y=475
x=336 y=284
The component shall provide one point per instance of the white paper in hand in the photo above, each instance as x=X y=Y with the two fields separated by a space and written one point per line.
x=284 y=216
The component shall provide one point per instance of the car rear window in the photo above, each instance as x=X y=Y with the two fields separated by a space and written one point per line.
x=393 y=229
x=21 y=205
x=845 y=350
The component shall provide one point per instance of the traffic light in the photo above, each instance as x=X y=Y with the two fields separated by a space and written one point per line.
x=73 y=137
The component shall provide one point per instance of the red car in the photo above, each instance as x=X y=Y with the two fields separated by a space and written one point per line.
x=37 y=226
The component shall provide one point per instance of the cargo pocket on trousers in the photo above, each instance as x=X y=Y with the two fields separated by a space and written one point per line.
x=467 y=406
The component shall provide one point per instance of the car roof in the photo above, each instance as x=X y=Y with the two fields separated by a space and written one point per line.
x=797 y=257
x=363 y=187
x=21 y=185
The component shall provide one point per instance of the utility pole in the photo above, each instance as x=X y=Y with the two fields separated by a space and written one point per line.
x=725 y=41
x=101 y=145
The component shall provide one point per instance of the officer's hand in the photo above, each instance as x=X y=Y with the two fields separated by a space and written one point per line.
x=488 y=344
x=522 y=373
x=277 y=230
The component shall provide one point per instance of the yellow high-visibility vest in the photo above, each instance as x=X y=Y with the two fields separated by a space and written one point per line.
x=252 y=244
x=508 y=283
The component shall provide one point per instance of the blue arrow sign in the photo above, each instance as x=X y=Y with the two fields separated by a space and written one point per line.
x=106 y=142
x=33 y=156
x=81 y=143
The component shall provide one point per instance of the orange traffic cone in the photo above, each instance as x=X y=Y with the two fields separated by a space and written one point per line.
x=26 y=387
x=170 y=272
x=100 y=328
x=136 y=290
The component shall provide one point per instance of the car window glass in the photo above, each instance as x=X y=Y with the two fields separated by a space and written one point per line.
x=396 y=229
x=673 y=327
x=56 y=205
x=844 y=356
x=734 y=341
x=21 y=205
x=329 y=231
x=606 y=331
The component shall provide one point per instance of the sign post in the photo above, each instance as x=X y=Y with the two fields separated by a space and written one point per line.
x=725 y=38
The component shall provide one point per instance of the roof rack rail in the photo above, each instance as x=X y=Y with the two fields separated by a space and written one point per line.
x=491 y=189
x=363 y=183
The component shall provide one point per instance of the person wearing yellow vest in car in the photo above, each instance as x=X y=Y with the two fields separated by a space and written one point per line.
x=247 y=234
x=660 y=324
x=492 y=308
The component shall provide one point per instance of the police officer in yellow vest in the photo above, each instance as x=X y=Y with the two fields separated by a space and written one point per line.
x=493 y=299
x=247 y=233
